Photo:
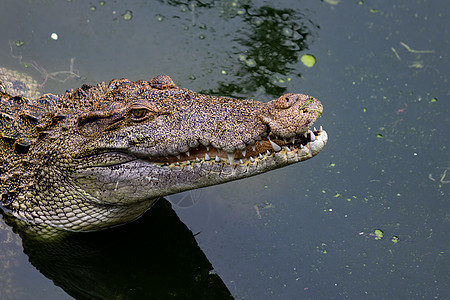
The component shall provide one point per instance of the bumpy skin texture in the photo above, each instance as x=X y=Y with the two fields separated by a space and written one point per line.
x=100 y=156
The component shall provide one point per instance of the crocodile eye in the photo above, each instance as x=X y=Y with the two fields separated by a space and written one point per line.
x=138 y=113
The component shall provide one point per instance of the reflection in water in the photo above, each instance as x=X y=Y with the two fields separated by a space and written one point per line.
x=185 y=199
x=272 y=42
x=268 y=44
x=155 y=257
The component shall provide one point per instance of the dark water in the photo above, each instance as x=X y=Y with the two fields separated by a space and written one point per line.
x=382 y=73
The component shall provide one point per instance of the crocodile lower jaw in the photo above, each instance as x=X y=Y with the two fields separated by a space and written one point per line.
x=296 y=149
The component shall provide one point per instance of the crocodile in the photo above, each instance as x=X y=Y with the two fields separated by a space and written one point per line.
x=100 y=155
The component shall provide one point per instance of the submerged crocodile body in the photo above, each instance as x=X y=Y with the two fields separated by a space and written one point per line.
x=99 y=156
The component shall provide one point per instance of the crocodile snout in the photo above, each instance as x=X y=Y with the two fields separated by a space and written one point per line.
x=291 y=114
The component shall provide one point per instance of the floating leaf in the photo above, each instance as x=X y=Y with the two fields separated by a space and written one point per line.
x=308 y=60
x=378 y=234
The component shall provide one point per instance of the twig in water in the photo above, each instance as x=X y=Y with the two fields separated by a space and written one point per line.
x=415 y=51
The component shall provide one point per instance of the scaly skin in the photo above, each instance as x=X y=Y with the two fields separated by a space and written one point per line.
x=100 y=156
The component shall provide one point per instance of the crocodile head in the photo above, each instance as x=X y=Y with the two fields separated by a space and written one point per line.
x=114 y=149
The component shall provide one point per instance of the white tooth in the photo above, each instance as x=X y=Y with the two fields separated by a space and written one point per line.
x=197 y=159
x=301 y=146
x=187 y=153
x=260 y=156
x=188 y=162
x=321 y=128
x=305 y=134
x=284 y=140
x=178 y=156
x=207 y=148
x=241 y=161
x=293 y=140
x=267 y=152
x=217 y=159
x=230 y=158
x=207 y=157
x=315 y=129
x=252 y=159
x=313 y=137
x=254 y=147
x=261 y=143
x=287 y=149
x=177 y=163
x=243 y=152
x=275 y=147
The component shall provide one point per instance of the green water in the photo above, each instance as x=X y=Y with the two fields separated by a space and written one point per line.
x=382 y=74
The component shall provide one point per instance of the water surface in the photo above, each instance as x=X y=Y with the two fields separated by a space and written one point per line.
x=368 y=217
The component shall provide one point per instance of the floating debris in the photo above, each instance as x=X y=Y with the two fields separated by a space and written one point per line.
x=396 y=54
x=415 y=51
x=127 y=15
x=308 y=60
x=261 y=206
x=378 y=234
x=332 y=2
